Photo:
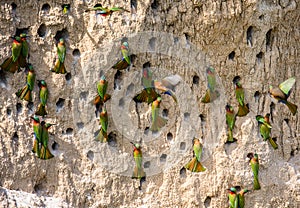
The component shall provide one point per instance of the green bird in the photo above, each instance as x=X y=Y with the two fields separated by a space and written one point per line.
x=11 y=64
x=195 y=165
x=138 y=172
x=211 y=92
x=59 y=66
x=41 y=111
x=24 y=50
x=241 y=197
x=37 y=130
x=230 y=121
x=282 y=93
x=265 y=129
x=253 y=159
x=125 y=62
x=101 y=97
x=240 y=96
x=45 y=153
x=106 y=11
x=66 y=8
x=233 y=198
x=25 y=92
x=157 y=121
x=102 y=136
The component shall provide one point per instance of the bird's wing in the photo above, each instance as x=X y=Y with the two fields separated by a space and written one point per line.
x=287 y=85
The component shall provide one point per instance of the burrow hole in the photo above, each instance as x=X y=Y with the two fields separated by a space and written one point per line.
x=55 y=145
x=165 y=112
x=90 y=154
x=249 y=35
x=259 y=57
x=196 y=79
x=60 y=104
x=182 y=173
x=69 y=131
x=186 y=116
x=152 y=43
x=112 y=139
x=117 y=80
x=169 y=136
x=146 y=131
x=61 y=34
x=13 y=7
x=147 y=164
x=256 y=96
x=154 y=4
x=42 y=30
x=269 y=39
x=15 y=137
x=207 y=201
x=76 y=53
x=80 y=125
x=46 y=8
x=231 y=55
x=163 y=158
x=182 y=146
x=19 y=108
x=68 y=76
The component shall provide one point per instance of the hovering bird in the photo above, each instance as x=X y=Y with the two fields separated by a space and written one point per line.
x=282 y=93
x=12 y=64
x=125 y=62
x=66 y=8
x=24 y=50
x=265 y=129
x=37 y=130
x=25 y=92
x=211 y=92
x=230 y=121
x=240 y=96
x=253 y=159
x=138 y=172
x=102 y=136
x=157 y=121
x=101 y=97
x=45 y=153
x=41 y=111
x=195 y=165
x=233 y=198
x=59 y=66
x=106 y=11
x=241 y=197
x=165 y=86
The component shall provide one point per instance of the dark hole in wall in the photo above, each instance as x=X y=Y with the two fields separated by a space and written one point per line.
x=61 y=34
x=69 y=131
x=117 y=79
x=46 y=8
x=76 y=53
x=42 y=30
x=196 y=79
x=90 y=155
x=19 y=108
x=154 y=4
x=19 y=31
x=133 y=4
x=13 y=7
x=163 y=158
x=269 y=39
x=15 y=137
x=207 y=201
x=182 y=146
x=55 y=145
x=256 y=96
x=182 y=173
x=112 y=139
x=165 y=112
x=249 y=35
x=68 y=76
x=146 y=65
x=169 y=136
x=147 y=164
x=60 y=104
x=231 y=55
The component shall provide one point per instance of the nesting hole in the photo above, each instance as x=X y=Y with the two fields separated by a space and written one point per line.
x=169 y=136
x=3 y=81
x=269 y=39
x=13 y=7
x=256 y=96
x=186 y=116
x=61 y=34
x=42 y=30
x=55 y=145
x=249 y=35
x=76 y=53
x=80 y=125
x=196 y=79
x=30 y=106
x=152 y=43
x=176 y=39
x=90 y=155
x=259 y=56
x=187 y=38
x=207 y=201
x=19 y=31
x=154 y=4
x=133 y=4
x=286 y=120
x=146 y=131
x=165 y=112
x=84 y=95
x=8 y=111
x=182 y=146
x=261 y=17
x=121 y=102
x=69 y=131
x=231 y=55
x=202 y=117
x=163 y=158
x=117 y=80
x=15 y=137
x=182 y=173
x=130 y=89
x=68 y=76
x=112 y=139
x=147 y=164
x=19 y=107
x=98 y=5
x=60 y=104
x=146 y=65
x=46 y=8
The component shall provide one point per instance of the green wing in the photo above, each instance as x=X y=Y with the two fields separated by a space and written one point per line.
x=44 y=96
x=30 y=80
x=287 y=85
x=61 y=52
x=16 y=50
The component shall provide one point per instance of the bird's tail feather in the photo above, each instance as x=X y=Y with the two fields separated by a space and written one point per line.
x=273 y=143
x=102 y=136
x=45 y=153
x=41 y=111
x=158 y=123
x=230 y=138
x=9 y=65
x=138 y=173
x=243 y=110
x=59 y=67
x=292 y=107
x=25 y=94
x=256 y=185
x=195 y=166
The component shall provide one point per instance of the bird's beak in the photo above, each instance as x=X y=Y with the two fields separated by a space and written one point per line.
x=132 y=143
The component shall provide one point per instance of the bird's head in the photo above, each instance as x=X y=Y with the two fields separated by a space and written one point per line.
x=61 y=41
x=35 y=118
x=210 y=70
x=236 y=80
x=103 y=77
x=250 y=155
x=42 y=83
x=232 y=189
x=228 y=108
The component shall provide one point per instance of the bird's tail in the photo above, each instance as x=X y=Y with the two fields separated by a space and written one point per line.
x=230 y=138
x=206 y=98
x=22 y=61
x=169 y=92
x=25 y=94
x=102 y=136
x=9 y=65
x=243 y=110
x=36 y=148
x=158 y=123
x=256 y=185
x=138 y=173
x=292 y=107
x=41 y=111
x=45 y=153
x=59 y=67
x=195 y=166
x=273 y=143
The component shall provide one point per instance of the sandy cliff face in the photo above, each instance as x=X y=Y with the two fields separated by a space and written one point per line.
x=257 y=40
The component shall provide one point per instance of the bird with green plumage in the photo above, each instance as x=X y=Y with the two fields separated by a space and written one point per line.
x=59 y=66
x=102 y=135
x=254 y=163
x=195 y=165
x=24 y=50
x=25 y=92
x=265 y=129
x=240 y=96
x=12 y=64
x=233 y=198
x=282 y=93
x=37 y=131
x=211 y=93
x=125 y=62
x=41 y=111
x=105 y=11
x=241 y=197
x=157 y=121
x=66 y=8
x=101 y=96
x=45 y=153
x=138 y=171
x=230 y=121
